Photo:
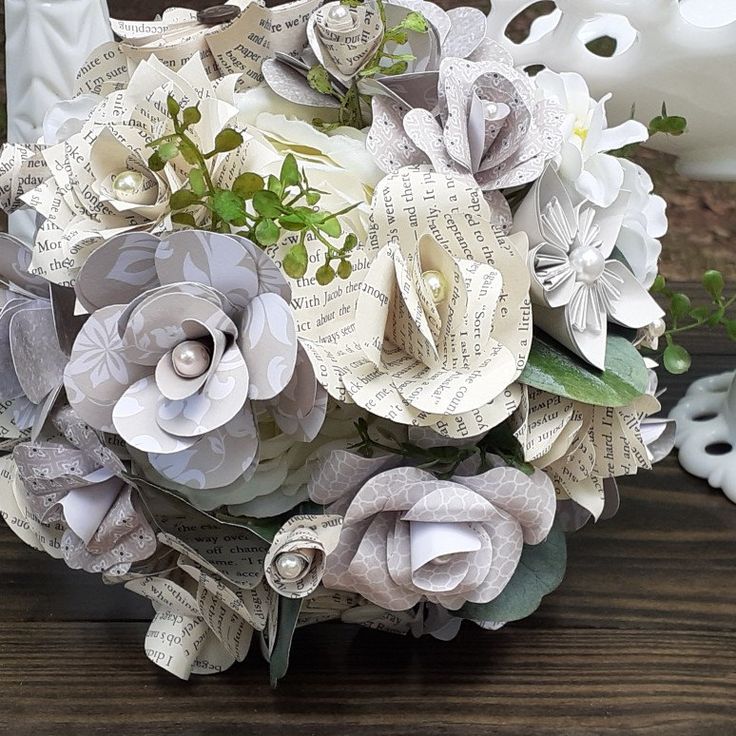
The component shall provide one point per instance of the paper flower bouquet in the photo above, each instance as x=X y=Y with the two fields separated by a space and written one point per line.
x=332 y=313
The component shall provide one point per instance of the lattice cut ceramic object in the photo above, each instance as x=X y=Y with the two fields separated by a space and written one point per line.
x=706 y=431
x=682 y=52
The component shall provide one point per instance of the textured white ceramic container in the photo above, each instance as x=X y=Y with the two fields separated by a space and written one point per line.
x=679 y=51
x=46 y=43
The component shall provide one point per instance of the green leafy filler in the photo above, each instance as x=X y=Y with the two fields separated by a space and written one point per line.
x=684 y=317
x=265 y=209
x=382 y=63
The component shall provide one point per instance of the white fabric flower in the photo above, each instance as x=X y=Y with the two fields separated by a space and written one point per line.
x=584 y=160
x=645 y=221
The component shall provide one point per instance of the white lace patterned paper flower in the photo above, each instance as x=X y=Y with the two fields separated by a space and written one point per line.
x=578 y=281
x=584 y=161
x=185 y=334
x=78 y=482
x=409 y=537
x=489 y=126
x=441 y=327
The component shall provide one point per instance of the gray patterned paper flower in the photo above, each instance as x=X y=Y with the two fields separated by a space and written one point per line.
x=485 y=123
x=31 y=359
x=409 y=537
x=75 y=480
x=185 y=334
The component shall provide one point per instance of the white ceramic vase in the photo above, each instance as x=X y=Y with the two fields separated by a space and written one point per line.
x=46 y=43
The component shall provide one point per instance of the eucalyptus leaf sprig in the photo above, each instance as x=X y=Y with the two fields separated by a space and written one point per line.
x=381 y=63
x=263 y=208
x=684 y=317
x=662 y=124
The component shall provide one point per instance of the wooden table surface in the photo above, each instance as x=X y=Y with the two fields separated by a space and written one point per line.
x=640 y=639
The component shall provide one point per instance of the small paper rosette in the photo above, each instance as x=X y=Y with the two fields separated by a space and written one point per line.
x=296 y=560
x=343 y=38
x=408 y=536
x=578 y=283
x=185 y=334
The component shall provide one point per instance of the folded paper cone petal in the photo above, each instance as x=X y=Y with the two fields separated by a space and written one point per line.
x=432 y=540
x=85 y=508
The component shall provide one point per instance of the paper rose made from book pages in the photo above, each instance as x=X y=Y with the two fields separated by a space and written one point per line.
x=489 y=126
x=408 y=536
x=31 y=359
x=97 y=183
x=578 y=282
x=580 y=445
x=185 y=334
x=441 y=327
x=211 y=603
x=76 y=481
x=344 y=41
x=297 y=558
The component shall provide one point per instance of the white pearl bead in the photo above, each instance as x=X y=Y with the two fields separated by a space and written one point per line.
x=290 y=566
x=490 y=109
x=658 y=328
x=437 y=285
x=127 y=185
x=588 y=263
x=338 y=13
x=191 y=359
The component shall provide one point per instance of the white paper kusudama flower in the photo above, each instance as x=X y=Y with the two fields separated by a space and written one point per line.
x=578 y=282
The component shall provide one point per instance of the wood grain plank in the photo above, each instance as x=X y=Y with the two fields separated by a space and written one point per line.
x=57 y=679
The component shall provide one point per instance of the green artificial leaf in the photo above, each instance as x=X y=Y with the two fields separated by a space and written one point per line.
x=331 y=226
x=676 y=359
x=313 y=197
x=540 y=571
x=189 y=153
x=296 y=261
x=713 y=283
x=183 y=198
x=325 y=275
x=290 y=172
x=172 y=106
x=155 y=162
x=351 y=241
x=274 y=185
x=351 y=113
x=659 y=284
x=191 y=116
x=731 y=328
x=197 y=182
x=398 y=67
x=398 y=35
x=267 y=233
x=292 y=222
x=553 y=368
x=501 y=441
x=168 y=151
x=319 y=79
x=246 y=185
x=184 y=218
x=680 y=306
x=344 y=269
x=267 y=204
x=228 y=206
x=415 y=22
x=288 y=617
x=228 y=140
